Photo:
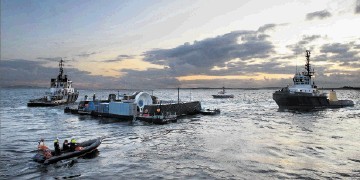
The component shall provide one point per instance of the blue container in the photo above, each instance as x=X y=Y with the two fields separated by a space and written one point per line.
x=103 y=108
x=121 y=108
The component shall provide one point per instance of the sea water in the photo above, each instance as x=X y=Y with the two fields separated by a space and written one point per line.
x=250 y=139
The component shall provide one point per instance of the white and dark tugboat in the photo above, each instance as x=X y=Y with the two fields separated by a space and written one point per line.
x=61 y=92
x=304 y=95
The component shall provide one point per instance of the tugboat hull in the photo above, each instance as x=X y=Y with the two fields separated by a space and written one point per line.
x=44 y=103
x=287 y=100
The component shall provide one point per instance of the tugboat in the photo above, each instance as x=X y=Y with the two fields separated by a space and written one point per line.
x=221 y=94
x=61 y=92
x=304 y=95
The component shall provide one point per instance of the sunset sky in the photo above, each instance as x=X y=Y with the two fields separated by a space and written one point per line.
x=184 y=43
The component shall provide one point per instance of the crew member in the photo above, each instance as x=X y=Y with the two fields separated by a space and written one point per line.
x=72 y=144
x=44 y=149
x=41 y=144
x=57 y=147
x=66 y=145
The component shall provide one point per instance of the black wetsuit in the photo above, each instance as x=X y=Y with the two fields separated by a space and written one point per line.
x=72 y=146
x=57 y=148
x=66 y=147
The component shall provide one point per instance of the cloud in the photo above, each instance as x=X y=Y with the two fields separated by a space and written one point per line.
x=201 y=56
x=20 y=72
x=357 y=7
x=335 y=48
x=233 y=54
x=52 y=59
x=119 y=58
x=318 y=14
x=85 y=55
x=266 y=27
x=303 y=44
x=342 y=54
x=310 y=38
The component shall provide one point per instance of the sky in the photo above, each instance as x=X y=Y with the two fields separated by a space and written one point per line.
x=181 y=43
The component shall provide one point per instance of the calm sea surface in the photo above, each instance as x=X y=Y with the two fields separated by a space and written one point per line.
x=250 y=139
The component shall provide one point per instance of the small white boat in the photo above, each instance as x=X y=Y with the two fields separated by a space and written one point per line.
x=222 y=94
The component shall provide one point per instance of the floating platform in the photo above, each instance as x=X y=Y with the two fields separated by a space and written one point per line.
x=181 y=109
x=157 y=119
x=168 y=112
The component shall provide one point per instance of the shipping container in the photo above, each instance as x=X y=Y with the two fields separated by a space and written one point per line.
x=120 y=108
x=103 y=108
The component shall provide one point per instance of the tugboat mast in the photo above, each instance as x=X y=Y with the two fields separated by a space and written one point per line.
x=61 y=69
x=309 y=73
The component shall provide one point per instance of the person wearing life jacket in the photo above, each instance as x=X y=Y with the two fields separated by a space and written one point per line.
x=57 y=147
x=44 y=149
x=72 y=144
x=41 y=145
x=65 y=146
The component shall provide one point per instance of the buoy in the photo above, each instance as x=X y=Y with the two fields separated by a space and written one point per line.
x=332 y=96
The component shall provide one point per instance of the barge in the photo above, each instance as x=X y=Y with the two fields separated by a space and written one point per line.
x=138 y=106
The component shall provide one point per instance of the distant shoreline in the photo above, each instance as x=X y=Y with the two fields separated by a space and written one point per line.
x=261 y=88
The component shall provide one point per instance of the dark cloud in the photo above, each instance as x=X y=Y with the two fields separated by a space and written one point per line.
x=266 y=27
x=85 y=55
x=357 y=7
x=201 y=56
x=21 y=72
x=335 y=48
x=338 y=52
x=318 y=14
x=52 y=59
x=338 y=79
x=119 y=58
x=303 y=44
x=310 y=38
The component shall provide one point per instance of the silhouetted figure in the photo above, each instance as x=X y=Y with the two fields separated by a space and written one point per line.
x=66 y=145
x=57 y=147
x=72 y=144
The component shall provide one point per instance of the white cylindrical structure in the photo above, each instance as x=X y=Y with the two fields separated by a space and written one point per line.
x=143 y=99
